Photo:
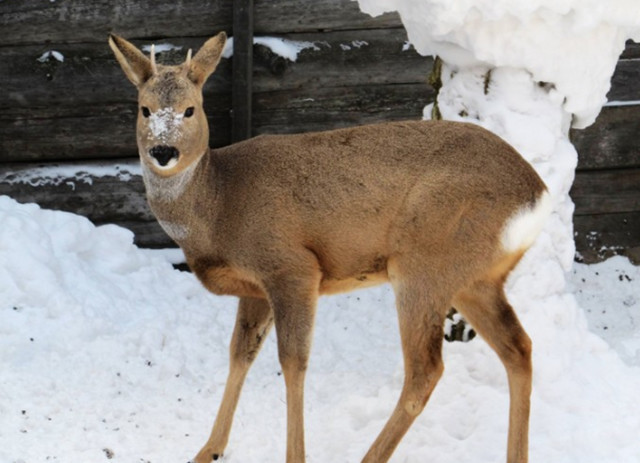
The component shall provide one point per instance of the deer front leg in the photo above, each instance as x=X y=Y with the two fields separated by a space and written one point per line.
x=253 y=323
x=294 y=305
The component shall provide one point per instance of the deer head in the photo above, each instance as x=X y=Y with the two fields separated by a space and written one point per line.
x=172 y=129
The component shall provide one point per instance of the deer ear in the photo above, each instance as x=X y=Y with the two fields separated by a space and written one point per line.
x=137 y=67
x=205 y=61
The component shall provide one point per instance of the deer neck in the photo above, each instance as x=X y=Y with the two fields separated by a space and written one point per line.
x=168 y=189
x=171 y=198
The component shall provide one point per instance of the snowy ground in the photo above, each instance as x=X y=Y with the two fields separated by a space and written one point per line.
x=108 y=353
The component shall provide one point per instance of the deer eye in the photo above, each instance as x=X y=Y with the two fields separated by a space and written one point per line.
x=145 y=111
x=189 y=111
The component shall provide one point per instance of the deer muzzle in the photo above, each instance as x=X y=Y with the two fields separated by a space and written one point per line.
x=163 y=154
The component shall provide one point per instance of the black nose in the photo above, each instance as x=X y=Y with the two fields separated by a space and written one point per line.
x=164 y=154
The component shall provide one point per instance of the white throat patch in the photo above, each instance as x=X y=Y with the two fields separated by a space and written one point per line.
x=166 y=188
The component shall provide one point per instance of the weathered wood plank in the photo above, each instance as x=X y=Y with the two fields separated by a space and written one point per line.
x=87 y=132
x=600 y=236
x=89 y=75
x=613 y=141
x=284 y=16
x=79 y=117
x=625 y=82
x=606 y=192
x=55 y=133
x=108 y=131
x=74 y=21
x=342 y=58
x=326 y=108
x=631 y=51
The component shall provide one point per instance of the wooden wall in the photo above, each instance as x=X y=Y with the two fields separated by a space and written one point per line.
x=80 y=113
x=606 y=190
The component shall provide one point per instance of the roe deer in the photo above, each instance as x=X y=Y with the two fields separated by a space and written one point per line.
x=441 y=210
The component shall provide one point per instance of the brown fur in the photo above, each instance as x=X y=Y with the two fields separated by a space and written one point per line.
x=280 y=219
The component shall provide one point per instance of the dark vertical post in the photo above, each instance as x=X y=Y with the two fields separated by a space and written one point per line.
x=242 y=69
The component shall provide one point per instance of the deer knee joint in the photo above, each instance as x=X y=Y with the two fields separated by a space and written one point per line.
x=519 y=352
x=419 y=390
x=414 y=407
x=293 y=363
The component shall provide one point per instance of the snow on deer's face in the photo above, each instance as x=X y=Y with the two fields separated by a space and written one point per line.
x=172 y=129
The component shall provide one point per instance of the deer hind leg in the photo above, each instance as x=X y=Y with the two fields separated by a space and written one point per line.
x=253 y=322
x=421 y=314
x=485 y=306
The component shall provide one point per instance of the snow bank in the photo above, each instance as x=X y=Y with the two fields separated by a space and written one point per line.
x=615 y=318
x=107 y=352
x=97 y=342
x=572 y=44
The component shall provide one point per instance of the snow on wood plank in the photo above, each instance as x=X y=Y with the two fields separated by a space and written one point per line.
x=105 y=192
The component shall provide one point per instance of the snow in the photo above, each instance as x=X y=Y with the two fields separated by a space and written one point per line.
x=574 y=44
x=353 y=44
x=106 y=352
x=66 y=173
x=623 y=103
x=288 y=49
x=165 y=123
x=51 y=54
x=615 y=319
x=161 y=47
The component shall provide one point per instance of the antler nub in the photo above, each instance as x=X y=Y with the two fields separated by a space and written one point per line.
x=188 y=62
x=154 y=68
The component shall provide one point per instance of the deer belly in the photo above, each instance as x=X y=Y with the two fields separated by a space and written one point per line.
x=365 y=271
x=330 y=285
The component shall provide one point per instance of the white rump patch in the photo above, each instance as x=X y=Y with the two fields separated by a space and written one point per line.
x=522 y=229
